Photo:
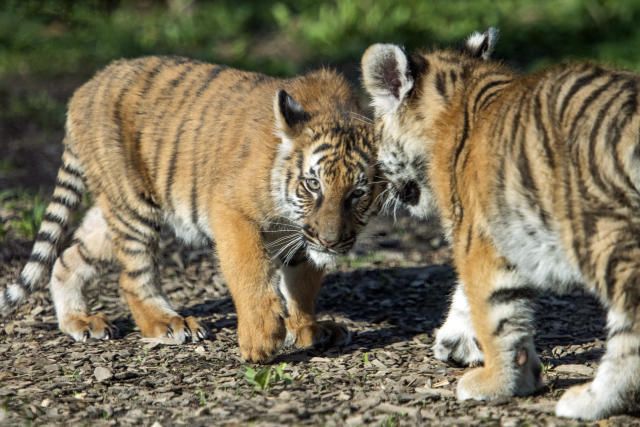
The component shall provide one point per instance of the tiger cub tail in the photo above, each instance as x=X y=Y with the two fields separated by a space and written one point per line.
x=66 y=197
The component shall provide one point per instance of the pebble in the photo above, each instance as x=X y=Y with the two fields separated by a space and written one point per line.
x=101 y=373
x=574 y=369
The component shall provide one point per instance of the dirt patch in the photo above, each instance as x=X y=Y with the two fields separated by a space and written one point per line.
x=392 y=293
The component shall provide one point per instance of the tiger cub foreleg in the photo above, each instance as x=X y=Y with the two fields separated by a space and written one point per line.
x=456 y=339
x=135 y=238
x=501 y=312
x=299 y=286
x=249 y=274
x=77 y=265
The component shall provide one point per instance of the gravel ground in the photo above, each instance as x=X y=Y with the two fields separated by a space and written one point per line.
x=392 y=292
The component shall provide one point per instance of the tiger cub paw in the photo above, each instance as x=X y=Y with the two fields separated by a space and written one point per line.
x=175 y=329
x=81 y=327
x=520 y=377
x=483 y=384
x=457 y=344
x=322 y=334
x=260 y=336
x=585 y=403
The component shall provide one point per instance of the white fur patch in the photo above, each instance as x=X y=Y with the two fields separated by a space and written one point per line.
x=540 y=258
x=476 y=40
x=33 y=272
x=16 y=293
x=374 y=59
x=321 y=259
x=455 y=339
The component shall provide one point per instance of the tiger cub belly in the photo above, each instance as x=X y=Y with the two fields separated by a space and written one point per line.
x=191 y=233
x=539 y=255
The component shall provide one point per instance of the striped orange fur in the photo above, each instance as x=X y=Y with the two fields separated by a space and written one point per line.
x=279 y=173
x=537 y=181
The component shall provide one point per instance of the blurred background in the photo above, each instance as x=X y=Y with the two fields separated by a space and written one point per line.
x=50 y=47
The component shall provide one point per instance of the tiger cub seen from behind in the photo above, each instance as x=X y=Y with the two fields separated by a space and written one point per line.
x=278 y=172
x=537 y=181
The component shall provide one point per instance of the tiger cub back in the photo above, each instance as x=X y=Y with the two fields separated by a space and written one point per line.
x=279 y=173
x=536 y=178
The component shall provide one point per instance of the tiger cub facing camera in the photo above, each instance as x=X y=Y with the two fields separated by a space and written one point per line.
x=279 y=173
x=537 y=181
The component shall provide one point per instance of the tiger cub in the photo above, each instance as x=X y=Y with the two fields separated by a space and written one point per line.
x=279 y=173
x=537 y=181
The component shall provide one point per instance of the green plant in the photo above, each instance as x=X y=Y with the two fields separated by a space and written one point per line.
x=201 y=397
x=267 y=377
x=365 y=357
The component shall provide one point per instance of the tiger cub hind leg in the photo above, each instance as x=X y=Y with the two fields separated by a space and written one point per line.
x=77 y=265
x=456 y=339
x=298 y=287
x=616 y=386
x=136 y=237
x=502 y=316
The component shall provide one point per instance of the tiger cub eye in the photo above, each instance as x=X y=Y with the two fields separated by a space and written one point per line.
x=312 y=184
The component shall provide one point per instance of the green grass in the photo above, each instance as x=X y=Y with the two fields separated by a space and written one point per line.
x=29 y=210
x=267 y=377
x=284 y=37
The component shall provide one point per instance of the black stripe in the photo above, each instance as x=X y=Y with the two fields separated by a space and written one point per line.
x=71 y=171
x=516 y=325
x=506 y=295
x=131 y=227
x=440 y=84
x=134 y=251
x=484 y=89
x=139 y=272
x=68 y=186
x=51 y=217
x=322 y=147
x=86 y=258
x=537 y=117
x=126 y=236
x=590 y=99
x=168 y=91
x=594 y=168
x=46 y=259
x=63 y=201
x=44 y=236
x=577 y=85
x=619 y=255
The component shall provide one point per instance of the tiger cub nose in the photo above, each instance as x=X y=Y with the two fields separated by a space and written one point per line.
x=327 y=243
x=410 y=193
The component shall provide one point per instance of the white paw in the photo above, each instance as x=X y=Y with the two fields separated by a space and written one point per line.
x=459 y=346
x=455 y=340
x=580 y=402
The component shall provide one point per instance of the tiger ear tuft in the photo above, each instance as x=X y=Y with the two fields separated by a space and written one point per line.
x=481 y=45
x=290 y=116
x=386 y=76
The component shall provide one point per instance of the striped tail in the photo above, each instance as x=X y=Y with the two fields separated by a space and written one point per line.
x=66 y=196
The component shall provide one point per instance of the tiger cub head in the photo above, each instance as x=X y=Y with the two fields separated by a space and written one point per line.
x=408 y=94
x=324 y=179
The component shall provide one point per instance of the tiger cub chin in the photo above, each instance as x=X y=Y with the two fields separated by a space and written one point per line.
x=537 y=181
x=279 y=173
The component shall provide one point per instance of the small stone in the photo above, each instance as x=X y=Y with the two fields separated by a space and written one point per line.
x=574 y=369
x=101 y=373
x=200 y=350
x=435 y=242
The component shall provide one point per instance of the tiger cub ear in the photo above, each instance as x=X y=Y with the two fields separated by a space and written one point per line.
x=387 y=76
x=480 y=45
x=290 y=116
